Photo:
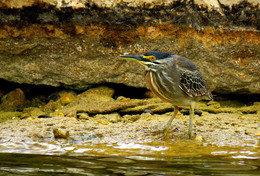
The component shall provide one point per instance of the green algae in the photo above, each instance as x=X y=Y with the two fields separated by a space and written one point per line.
x=9 y=115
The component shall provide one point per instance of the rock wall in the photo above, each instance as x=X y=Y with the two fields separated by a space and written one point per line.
x=76 y=43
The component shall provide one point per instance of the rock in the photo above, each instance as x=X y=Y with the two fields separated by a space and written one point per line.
x=51 y=107
x=84 y=116
x=60 y=133
x=112 y=118
x=14 y=100
x=9 y=115
x=44 y=116
x=33 y=112
x=57 y=114
x=131 y=118
x=98 y=101
x=196 y=112
x=66 y=99
x=76 y=43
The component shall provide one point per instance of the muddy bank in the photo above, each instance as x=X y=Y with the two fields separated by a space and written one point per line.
x=216 y=129
x=96 y=116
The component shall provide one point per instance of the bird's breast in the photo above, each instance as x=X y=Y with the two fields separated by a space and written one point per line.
x=154 y=87
x=167 y=90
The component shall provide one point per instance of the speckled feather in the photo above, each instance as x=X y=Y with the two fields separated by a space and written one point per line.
x=191 y=79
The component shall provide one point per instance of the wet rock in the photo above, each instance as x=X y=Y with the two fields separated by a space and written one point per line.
x=57 y=114
x=155 y=105
x=44 y=116
x=51 y=107
x=32 y=112
x=196 y=112
x=131 y=118
x=60 y=133
x=112 y=118
x=84 y=116
x=14 y=100
x=148 y=111
x=9 y=115
x=66 y=99
x=253 y=109
x=98 y=101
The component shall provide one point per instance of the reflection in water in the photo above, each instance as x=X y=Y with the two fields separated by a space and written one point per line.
x=32 y=164
x=182 y=157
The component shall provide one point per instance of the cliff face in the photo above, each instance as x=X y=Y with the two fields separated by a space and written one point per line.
x=76 y=43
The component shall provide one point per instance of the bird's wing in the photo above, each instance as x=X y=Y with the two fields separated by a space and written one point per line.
x=191 y=79
x=193 y=84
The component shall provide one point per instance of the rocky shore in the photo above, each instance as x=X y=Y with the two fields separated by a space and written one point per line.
x=97 y=116
x=61 y=78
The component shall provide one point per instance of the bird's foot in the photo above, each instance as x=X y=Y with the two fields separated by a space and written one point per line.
x=165 y=133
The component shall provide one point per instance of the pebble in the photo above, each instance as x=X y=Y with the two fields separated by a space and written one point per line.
x=44 y=116
x=257 y=133
x=196 y=112
x=66 y=99
x=148 y=111
x=199 y=138
x=84 y=116
x=102 y=122
x=60 y=133
x=123 y=99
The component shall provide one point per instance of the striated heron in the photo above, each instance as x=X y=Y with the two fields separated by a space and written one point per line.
x=174 y=79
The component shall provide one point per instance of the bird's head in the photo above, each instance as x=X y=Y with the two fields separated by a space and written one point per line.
x=149 y=59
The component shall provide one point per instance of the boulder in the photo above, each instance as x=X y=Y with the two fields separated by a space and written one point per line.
x=76 y=43
x=13 y=101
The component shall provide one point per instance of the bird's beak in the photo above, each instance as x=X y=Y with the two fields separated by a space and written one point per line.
x=138 y=58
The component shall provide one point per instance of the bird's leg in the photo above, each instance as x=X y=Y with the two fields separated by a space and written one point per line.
x=192 y=106
x=166 y=129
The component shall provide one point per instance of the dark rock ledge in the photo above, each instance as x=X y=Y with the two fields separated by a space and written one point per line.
x=76 y=43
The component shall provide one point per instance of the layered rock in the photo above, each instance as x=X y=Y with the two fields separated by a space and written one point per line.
x=77 y=43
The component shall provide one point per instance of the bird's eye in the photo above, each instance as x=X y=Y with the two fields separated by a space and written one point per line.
x=152 y=58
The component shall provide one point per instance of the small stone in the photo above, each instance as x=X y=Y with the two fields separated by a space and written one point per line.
x=102 y=122
x=83 y=115
x=71 y=114
x=196 y=112
x=199 y=138
x=60 y=133
x=66 y=99
x=57 y=114
x=44 y=116
x=248 y=132
x=113 y=117
x=132 y=118
x=257 y=133
x=149 y=94
x=15 y=118
x=148 y=111
x=123 y=99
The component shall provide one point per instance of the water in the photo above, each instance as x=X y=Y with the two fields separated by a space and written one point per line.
x=160 y=158
x=32 y=164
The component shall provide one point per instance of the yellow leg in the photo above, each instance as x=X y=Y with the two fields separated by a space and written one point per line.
x=192 y=106
x=166 y=129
